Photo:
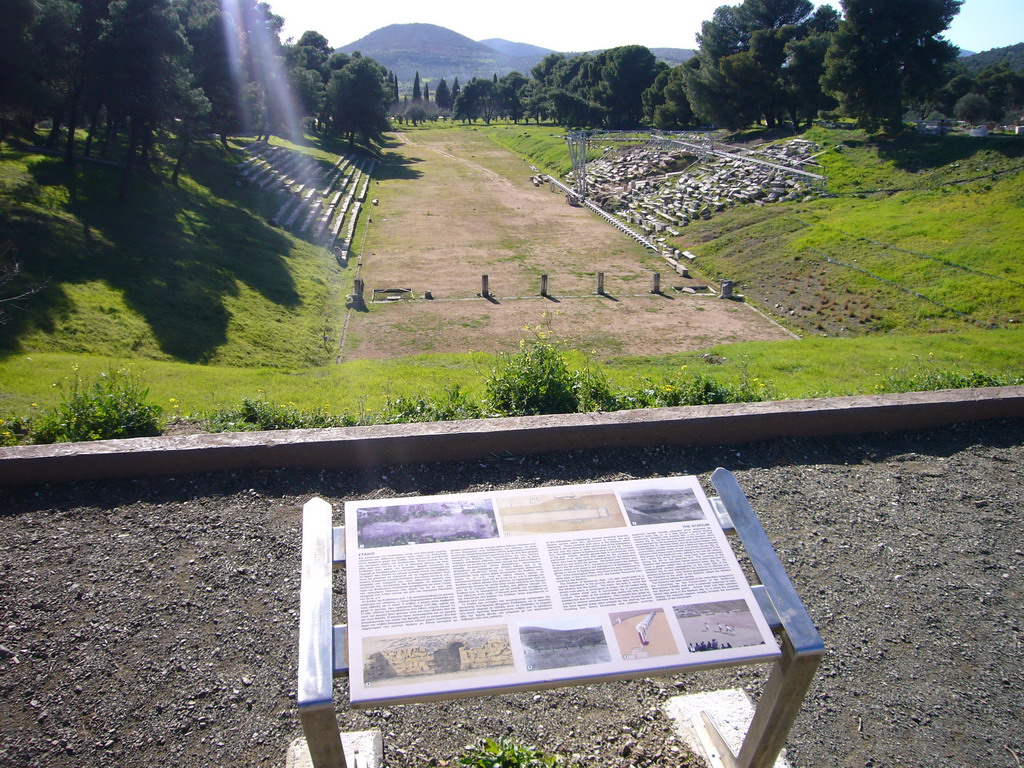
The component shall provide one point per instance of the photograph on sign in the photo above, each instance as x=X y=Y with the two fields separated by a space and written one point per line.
x=653 y=506
x=720 y=625
x=396 y=525
x=564 y=642
x=436 y=657
x=496 y=591
x=552 y=512
x=643 y=633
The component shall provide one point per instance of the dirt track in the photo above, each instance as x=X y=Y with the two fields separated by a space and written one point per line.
x=455 y=206
x=153 y=622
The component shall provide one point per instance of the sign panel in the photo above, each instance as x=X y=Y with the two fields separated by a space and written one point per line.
x=490 y=592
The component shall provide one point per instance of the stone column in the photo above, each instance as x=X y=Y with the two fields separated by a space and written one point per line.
x=485 y=291
x=656 y=282
x=543 y=285
x=600 y=283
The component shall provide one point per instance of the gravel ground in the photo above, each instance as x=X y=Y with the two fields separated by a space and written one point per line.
x=154 y=621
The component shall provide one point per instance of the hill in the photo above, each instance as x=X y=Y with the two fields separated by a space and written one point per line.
x=674 y=56
x=1011 y=54
x=437 y=52
x=517 y=50
x=192 y=273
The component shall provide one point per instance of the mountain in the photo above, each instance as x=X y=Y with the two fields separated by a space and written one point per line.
x=1011 y=54
x=437 y=52
x=516 y=50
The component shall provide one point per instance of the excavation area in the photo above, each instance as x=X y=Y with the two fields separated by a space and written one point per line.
x=454 y=207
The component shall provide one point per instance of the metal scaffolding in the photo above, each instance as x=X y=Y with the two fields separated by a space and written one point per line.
x=700 y=144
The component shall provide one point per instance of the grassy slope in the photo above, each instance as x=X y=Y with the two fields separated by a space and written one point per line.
x=191 y=274
x=981 y=226
x=955 y=199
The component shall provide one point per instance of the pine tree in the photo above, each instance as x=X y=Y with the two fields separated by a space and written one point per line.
x=442 y=97
x=426 y=92
x=885 y=52
x=416 y=95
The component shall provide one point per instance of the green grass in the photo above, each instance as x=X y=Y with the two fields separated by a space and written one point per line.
x=190 y=273
x=30 y=384
x=948 y=225
x=543 y=145
x=209 y=306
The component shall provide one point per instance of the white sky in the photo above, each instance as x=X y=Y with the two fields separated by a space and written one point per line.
x=561 y=26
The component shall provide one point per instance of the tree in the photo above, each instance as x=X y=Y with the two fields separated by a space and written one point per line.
x=802 y=72
x=477 y=100
x=743 y=70
x=149 y=35
x=442 y=96
x=628 y=71
x=359 y=98
x=886 y=51
x=19 y=93
x=535 y=100
x=508 y=94
x=216 y=68
x=665 y=104
x=972 y=107
x=416 y=93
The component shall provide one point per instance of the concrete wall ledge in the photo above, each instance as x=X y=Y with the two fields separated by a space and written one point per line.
x=466 y=440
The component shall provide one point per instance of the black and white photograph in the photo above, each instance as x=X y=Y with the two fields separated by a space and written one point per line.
x=652 y=506
x=718 y=625
x=435 y=522
x=567 y=642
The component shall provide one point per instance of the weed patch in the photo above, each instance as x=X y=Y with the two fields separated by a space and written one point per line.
x=112 y=406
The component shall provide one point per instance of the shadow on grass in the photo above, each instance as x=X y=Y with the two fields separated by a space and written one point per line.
x=174 y=254
x=913 y=152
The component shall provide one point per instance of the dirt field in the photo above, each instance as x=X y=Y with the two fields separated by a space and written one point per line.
x=455 y=206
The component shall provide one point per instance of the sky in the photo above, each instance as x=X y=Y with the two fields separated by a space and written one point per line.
x=560 y=26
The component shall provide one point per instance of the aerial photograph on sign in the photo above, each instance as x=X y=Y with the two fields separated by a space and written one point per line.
x=394 y=525
x=563 y=512
x=643 y=633
x=650 y=506
x=568 y=642
x=436 y=656
x=718 y=625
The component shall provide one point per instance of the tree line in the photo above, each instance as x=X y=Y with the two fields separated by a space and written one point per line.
x=140 y=73
x=134 y=73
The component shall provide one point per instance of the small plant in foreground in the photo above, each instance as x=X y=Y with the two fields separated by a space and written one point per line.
x=14 y=430
x=257 y=413
x=538 y=380
x=929 y=380
x=113 y=406
x=452 y=405
x=503 y=753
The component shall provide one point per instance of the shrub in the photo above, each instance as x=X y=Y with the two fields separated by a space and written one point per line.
x=14 y=430
x=928 y=380
x=697 y=389
x=503 y=753
x=452 y=405
x=532 y=381
x=113 y=406
x=257 y=414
